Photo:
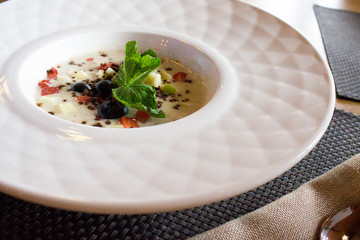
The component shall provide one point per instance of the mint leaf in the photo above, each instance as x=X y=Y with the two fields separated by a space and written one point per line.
x=132 y=60
x=149 y=52
x=119 y=78
x=139 y=96
x=147 y=65
x=131 y=91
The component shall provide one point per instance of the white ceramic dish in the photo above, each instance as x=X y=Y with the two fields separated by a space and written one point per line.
x=27 y=66
x=273 y=102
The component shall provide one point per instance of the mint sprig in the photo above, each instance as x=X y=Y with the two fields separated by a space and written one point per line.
x=129 y=80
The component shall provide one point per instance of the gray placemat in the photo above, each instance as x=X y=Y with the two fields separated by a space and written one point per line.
x=340 y=32
x=24 y=220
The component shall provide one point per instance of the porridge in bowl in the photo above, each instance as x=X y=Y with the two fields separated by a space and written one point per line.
x=121 y=89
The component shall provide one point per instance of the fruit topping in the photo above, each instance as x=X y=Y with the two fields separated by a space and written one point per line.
x=153 y=79
x=81 y=75
x=142 y=116
x=112 y=109
x=179 y=77
x=52 y=73
x=44 y=83
x=168 y=89
x=83 y=98
x=80 y=87
x=49 y=90
x=129 y=122
x=104 y=88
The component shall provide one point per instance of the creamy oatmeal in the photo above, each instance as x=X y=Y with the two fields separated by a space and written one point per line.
x=79 y=90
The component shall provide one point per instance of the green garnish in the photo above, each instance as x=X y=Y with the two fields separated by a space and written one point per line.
x=167 y=88
x=129 y=80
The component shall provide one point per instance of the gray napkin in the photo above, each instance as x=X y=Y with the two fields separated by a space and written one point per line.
x=340 y=32
x=300 y=214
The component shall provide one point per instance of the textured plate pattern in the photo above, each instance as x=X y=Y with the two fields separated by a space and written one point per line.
x=284 y=103
x=24 y=220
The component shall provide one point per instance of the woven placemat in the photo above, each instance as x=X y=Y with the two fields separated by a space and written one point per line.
x=24 y=220
x=340 y=32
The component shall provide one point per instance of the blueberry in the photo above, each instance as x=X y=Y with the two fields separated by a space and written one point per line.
x=112 y=109
x=80 y=87
x=104 y=88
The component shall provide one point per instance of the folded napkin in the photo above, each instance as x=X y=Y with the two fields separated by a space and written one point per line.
x=298 y=215
x=340 y=32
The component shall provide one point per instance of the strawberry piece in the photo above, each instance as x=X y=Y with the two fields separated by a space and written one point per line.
x=49 y=90
x=129 y=122
x=103 y=66
x=83 y=98
x=44 y=83
x=142 y=116
x=52 y=73
x=90 y=59
x=110 y=65
x=179 y=76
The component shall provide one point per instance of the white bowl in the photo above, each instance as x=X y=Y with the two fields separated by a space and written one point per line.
x=261 y=120
x=26 y=67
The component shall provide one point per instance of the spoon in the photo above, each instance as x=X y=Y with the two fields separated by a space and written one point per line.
x=344 y=225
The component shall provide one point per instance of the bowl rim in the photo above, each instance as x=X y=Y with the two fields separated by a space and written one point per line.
x=224 y=92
